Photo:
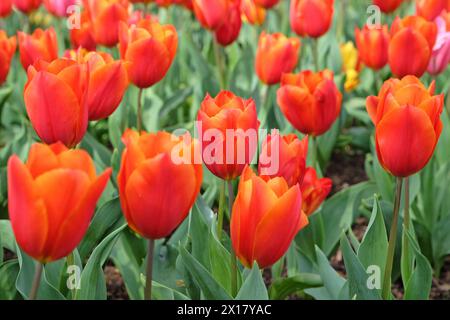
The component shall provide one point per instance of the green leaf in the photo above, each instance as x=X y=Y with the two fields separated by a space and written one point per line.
x=7 y=236
x=283 y=288
x=8 y=274
x=161 y=292
x=253 y=287
x=212 y=290
x=357 y=276
x=93 y=284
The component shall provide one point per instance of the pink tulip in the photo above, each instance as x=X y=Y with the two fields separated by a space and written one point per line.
x=59 y=7
x=441 y=51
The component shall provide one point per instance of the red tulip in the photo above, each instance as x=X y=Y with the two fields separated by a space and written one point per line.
x=27 y=6
x=210 y=13
x=41 y=45
x=228 y=128
x=412 y=41
x=310 y=101
x=83 y=37
x=228 y=32
x=373 y=44
x=314 y=191
x=55 y=99
x=284 y=156
x=52 y=198
x=5 y=8
x=7 y=50
x=408 y=126
x=157 y=192
x=108 y=82
x=430 y=9
x=267 y=4
x=388 y=6
x=276 y=55
x=311 y=18
x=106 y=16
x=253 y=13
x=150 y=48
x=266 y=216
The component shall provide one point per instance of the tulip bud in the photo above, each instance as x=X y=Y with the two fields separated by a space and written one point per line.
x=252 y=13
x=266 y=217
x=373 y=44
x=430 y=9
x=59 y=7
x=284 y=156
x=228 y=127
x=62 y=83
x=311 y=18
x=150 y=48
x=210 y=13
x=5 y=8
x=267 y=4
x=41 y=45
x=412 y=41
x=276 y=55
x=157 y=192
x=388 y=6
x=310 y=101
x=83 y=36
x=27 y=6
x=52 y=198
x=407 y=124
x=228 y=32
x=7 y=50
x=440 y=57
x=314 y=191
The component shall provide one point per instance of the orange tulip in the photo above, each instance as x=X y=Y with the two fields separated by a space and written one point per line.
x=210 y=12
x=52 y=198
x=228 y=32
x=430 y=9
x=150 y=48
x=314 y=191
x=310 y=101
x=266 y=216
x=106 y=16
x=412 y=41
x=41 y=45
x=252 y=13
x=267 y=4
x=157 y=192
x=311 y=18
x=284 y=156
x=276 y=55
x=408 y=125
x=5 y=8
x=27 y=6
x=373 y=44
x=7 y=50
x=55 y=99
x=388 y=6
x=83 y=37
x=108 y=82
x=228 y=127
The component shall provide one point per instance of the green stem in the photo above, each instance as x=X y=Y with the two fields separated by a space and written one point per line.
x=315 y=152
x=315 y=51
x=233 y=254
x=341 y=21
x=36 y=281
x=149 y=270
x=220 y=64
x=220 y=210
x=70 y=262
x=406 y=259
x=386 y=291
x=139 y=110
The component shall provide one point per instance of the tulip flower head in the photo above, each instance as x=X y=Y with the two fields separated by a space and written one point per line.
x=157 y=192
x=60 y=8
x=373 y=45
x=412 y=41
x=440 y=57
x=27 y=6
x=228 y=32
x=83 y=37
x=388 y=6
x=276 y=54
x=314 y=191
x=228 y=127
x=266 y=217
x=62 y=83
x=310 y=101
x=430 y=9
x=5 y=8
x=210 y=13
x=7 y=50
x=284 y=156
x=351 y=65
x=52 y=198
x=311 y=18
x=252 y=13
x=150 y=49
x=407 y=124
x=40 y=45
x=267 y=4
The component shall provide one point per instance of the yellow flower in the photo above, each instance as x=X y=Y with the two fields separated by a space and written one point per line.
x=351 y=80
x=350 y=65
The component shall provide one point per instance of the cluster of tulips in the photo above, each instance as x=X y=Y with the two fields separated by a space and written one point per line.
x=52 y=196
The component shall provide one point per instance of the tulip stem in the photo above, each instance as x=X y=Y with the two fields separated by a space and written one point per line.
x=139 y=110
x=315 y=51
x=220 y=210
x=220 y=64
x=149 y=270
x=232 y=253
x=405 y=262
x=386 y=291
x=315 y=152
x=36 y=281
